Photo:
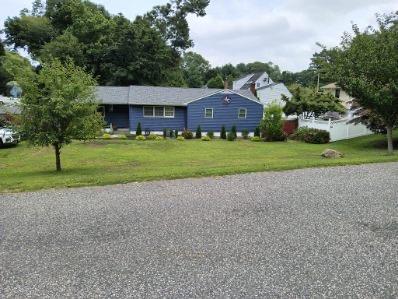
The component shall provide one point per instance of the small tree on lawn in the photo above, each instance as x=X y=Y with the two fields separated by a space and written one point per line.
x=234 y=132
x=138 y=131
x=223 y=134
x=272 y=123
x=198 y=134
x=58 y=106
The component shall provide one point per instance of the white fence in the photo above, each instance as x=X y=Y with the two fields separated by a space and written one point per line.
x=338 y=129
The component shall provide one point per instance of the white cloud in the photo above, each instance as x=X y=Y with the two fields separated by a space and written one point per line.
x=284 y=32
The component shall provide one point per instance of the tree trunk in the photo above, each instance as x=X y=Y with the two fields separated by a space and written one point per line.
x=57 y=156
x=390 y=140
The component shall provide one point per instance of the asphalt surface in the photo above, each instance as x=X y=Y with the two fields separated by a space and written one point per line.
x=317 y=232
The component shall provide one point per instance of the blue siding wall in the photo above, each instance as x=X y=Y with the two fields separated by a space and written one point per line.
x=224 y=114
x=156 y=123
x=117 y=115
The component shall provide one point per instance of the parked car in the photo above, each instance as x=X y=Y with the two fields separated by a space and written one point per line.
x=8 y=136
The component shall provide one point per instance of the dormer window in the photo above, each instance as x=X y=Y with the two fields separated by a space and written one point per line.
x=258 y=84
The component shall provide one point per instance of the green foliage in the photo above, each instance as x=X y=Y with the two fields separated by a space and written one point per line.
x=194 y=69
x=245 y=134
x=210 y=134
x=180 y=138
x=257 y=132
x=122 y=136
x=311 y=135
x=159 y=138
x=234 y=132
x=231 y=136
x=216 y=82
x=106 y=136
x=140 y=138
x=206 y=138
x=272 y=123
x=171 y=133
x=151 y=137
x=309 y=103
x=164 y=133
x=223 y=134
x=256 y=139
x=58 y=105
x=366 y=66
x=187 y=134
x=198 y=134
x=176 y=133
x=138 y=131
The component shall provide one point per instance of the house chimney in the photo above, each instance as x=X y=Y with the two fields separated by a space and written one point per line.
x=253 y=88
x=225 y=84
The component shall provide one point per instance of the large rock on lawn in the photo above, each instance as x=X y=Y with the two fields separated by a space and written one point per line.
x=329 y=153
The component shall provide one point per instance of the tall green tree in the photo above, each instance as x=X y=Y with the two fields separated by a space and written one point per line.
x=366 y=65
x=194 y=68
x=216 y=82
x=58 y=105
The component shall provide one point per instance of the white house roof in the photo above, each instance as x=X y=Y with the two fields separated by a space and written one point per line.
x=152 y=95
x=330 y=86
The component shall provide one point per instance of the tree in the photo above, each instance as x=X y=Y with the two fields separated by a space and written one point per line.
x=138 y=131
x=198 y=134
x=309 y=103
x=272 y=123
x=194 y=68
x=223 y=134
x=216 y=82
x=58 y=106
x=366 y=65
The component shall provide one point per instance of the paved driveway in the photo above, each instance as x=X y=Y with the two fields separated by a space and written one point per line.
x=313 y=232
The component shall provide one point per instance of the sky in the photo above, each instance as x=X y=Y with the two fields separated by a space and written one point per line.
x=284 y=32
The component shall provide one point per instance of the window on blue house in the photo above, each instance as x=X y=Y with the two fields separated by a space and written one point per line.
x=242 y=113
x=209 y=112
x=169 y=112
x=148 y=112
x=159 y=111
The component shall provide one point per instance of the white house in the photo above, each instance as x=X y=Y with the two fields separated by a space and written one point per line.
x=335 y=90
x=263 y=86
x=9 y=106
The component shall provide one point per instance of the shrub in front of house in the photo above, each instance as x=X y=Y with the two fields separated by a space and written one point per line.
x=165 y=133
x=257 y=132
x=187 y=134
x=140 y=138
x=223 y=134
x=138 y=131
x=206 y=138
x=311 y=135
x=159 y=138
x=180 y=138
x=151 y=137
x=231 y=136
x=233 y=131
x=256 y=139
x=198 y=133
x=122 y=136
x=171 y=133
x=245 y=134
x=272 y=123
x=210 y=134
x=106 y=136
x=176 y=133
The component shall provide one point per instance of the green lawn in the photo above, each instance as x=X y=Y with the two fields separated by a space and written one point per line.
x=103 y=162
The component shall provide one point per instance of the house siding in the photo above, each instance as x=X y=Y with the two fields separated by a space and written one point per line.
x=224 y=114
x=117 y=115
x=157 y=123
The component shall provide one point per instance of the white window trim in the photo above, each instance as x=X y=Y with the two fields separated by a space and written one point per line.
x=239 y=117
x=153 y=112
x=212 y=113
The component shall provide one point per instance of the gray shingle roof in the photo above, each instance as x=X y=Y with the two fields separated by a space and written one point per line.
x=252 y=80
x=152 y=95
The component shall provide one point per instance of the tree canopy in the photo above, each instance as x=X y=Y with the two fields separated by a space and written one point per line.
x=194 y=69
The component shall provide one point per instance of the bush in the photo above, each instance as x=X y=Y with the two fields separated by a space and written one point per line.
x=171 y=134
x=198 y=134
x=122 y=136
x=164 y=133
x=140 y=138
x=233 y=131
x=272 y=124
x=245 y=133
x=231 y=136
x=210 y=134
x=206 y=138
x=138 y=131
x=152 y=137
x=106 y=136
x=311 y=135
x=180 y=138
x=176 y=133
x=223 y=134
x=257 y=132
x=159 y=138
x=187 y=134
x=256 y=139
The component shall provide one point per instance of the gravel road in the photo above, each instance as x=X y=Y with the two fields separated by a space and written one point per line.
x=315 y=232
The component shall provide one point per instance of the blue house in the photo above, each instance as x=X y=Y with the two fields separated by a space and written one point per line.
x=159 y=108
